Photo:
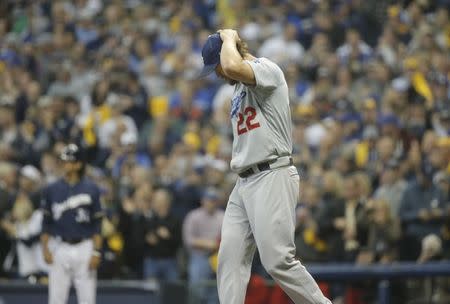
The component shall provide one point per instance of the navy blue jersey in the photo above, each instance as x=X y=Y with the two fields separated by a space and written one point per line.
x=72 y=211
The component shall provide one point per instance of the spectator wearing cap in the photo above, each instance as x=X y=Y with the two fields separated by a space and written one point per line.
x=30 y=183
x=392 y=186
x=422 y=211
x=201 y=234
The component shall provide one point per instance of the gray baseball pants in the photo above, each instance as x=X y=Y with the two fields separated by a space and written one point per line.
x=261 y=213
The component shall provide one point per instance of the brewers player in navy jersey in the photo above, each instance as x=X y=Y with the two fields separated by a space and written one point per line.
x=72 y=216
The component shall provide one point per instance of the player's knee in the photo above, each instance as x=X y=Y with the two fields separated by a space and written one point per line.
x=278 y=263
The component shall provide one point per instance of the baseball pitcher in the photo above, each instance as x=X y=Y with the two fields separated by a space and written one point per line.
x=261 y=208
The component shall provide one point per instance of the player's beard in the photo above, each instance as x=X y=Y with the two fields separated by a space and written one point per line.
x=227 y=79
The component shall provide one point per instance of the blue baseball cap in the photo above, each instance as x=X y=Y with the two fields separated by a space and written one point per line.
x=211 y=54
x=210 y=194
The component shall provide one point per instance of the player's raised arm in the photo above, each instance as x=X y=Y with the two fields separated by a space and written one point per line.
x=231 y=62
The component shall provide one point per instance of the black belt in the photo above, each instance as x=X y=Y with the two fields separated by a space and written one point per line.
x=72 y=241
x=261 y=167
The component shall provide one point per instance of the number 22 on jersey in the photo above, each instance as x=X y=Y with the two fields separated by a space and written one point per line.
x=246 y=121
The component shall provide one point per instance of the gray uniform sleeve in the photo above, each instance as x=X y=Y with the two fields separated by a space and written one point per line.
x=267 y=74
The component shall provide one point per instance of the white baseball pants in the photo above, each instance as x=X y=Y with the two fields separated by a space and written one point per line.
x=71 y=264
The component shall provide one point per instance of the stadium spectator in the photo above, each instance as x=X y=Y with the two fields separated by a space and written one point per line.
x=134 y=211
x=383 y=234
x=328 y=224
x=353 y=221
x=422 y=211
x=310 y=247
x=24 y=228
x=392 y=186
x=201 y=234
x=163 y=240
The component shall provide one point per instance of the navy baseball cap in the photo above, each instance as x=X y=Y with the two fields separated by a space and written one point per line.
x=211 y=54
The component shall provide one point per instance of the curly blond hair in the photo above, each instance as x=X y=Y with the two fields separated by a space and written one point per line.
x=242 y=48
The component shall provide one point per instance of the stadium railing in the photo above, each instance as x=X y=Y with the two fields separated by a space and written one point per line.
x=151 y=292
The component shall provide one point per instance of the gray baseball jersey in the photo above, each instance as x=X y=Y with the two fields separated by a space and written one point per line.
x=261 y=118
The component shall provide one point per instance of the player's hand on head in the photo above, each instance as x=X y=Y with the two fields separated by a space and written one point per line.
x=226 y=34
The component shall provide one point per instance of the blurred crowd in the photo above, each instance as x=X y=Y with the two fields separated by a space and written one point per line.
x=370 y=96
